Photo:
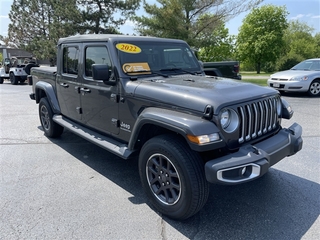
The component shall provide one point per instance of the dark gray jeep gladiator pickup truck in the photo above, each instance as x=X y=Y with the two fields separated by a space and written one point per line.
x=149 y=98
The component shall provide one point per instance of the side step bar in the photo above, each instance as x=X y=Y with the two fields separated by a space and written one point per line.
x=107 y=143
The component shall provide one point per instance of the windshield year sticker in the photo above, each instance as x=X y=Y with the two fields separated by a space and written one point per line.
x=128 y=48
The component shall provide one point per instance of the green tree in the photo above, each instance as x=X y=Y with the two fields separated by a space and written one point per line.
x=36 y=25
x=189 y=20
x=260 y=39
x=7 y=42
x=299 y=39
x=99 y=16
x=317 y=41
x=220 y=48
x=299 y=45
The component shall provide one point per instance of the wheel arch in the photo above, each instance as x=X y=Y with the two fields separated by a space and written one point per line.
x=44 y=89
x=317 y=79
x=154 y=121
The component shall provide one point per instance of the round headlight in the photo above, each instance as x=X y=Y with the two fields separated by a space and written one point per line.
x=225 y=118
x=229 y=120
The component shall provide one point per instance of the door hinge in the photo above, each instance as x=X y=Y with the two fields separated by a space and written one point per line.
x=79 y=110
x=114 y=97
x=115 y=122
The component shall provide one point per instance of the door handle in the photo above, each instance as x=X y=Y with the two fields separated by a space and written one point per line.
x=85 y=90
x=64 y=85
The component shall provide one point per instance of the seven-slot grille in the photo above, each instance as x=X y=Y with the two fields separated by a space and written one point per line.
x=258 y=118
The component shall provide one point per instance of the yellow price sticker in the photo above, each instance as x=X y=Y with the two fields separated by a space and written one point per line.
x=128 y=48
x=136 y=68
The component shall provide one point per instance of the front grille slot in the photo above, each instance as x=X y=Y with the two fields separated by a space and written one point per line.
x=279 y=79
x=257 y=118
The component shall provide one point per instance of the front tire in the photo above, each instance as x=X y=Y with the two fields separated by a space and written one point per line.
x=50 y=128
x=13 y=79
x=1 y=80
x=173 y=177
x=314 y=89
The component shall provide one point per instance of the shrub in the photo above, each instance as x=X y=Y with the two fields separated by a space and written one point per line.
x=288 y=61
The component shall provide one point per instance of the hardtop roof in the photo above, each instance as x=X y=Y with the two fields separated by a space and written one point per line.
x=112 y=37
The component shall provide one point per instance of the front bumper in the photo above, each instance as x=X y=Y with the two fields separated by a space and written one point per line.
x=290 y=86
x=32 y=96
x=3 y=74
x=253 y=161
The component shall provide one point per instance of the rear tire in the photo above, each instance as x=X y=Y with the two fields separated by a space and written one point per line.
x=1 y=80
x=13 y=79
x=173 y=177
x=314 y=89
x=50 y=128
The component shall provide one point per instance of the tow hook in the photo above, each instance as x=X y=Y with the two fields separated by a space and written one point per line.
x=256 y=150
x=291 y=131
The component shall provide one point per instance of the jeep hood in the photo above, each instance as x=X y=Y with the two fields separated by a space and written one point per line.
x=196 y=92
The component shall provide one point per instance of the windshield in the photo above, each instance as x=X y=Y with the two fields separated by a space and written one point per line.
x=138 y=57
x=308 y=65
x=21 y=60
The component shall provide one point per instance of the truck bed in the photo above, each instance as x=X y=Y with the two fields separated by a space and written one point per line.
x=44 y=73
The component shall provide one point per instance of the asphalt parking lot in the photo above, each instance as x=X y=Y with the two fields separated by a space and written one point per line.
x=68 y=188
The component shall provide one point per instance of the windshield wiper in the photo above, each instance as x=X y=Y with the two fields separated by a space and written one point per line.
x=300 y=69
x=161 y=74
x=148 y=71
x=177 y=69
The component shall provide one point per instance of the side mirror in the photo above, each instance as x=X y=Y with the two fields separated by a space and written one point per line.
x=101 y=72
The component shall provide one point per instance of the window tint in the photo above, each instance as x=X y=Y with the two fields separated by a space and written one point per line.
x=157 y=56
x=179 y=57
x=308 y=65
x=96 y=55
x=70 y=60
x=315 y=66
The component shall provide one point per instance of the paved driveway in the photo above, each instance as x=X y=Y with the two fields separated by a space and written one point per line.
x=68 y=188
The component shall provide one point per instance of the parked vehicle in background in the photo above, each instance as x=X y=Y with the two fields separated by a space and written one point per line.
x=228 y=69
x=303 y=77
x=20 y=68
x=17 y=69
x=4 y=70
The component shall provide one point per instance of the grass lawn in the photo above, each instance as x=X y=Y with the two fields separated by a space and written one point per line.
x=256 y=81
x=245 y=73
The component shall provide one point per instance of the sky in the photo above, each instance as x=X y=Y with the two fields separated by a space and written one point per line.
x=307 y=11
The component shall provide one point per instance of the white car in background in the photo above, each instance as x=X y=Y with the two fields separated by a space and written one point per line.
x=17 y=69
x=4 y=70
x=303 y=77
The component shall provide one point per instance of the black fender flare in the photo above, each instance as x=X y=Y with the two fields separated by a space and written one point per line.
x=178 y=122
x=50 y=93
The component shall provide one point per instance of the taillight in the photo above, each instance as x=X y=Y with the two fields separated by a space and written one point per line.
x=236 y=68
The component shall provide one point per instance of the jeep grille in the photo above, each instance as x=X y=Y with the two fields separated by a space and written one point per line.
x=258 y=118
